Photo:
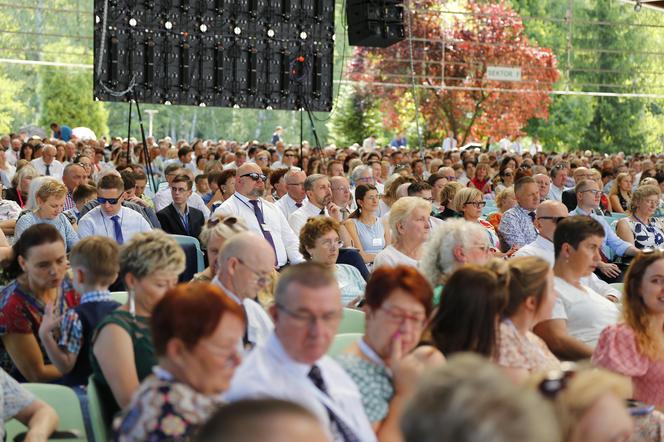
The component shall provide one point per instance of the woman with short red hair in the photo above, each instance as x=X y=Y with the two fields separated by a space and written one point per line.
x=385 y=364
x=196 y=329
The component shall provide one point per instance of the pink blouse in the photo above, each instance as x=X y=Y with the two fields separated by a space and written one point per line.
x=618 y=351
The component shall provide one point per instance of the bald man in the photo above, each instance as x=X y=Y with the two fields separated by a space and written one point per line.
x=261 y=216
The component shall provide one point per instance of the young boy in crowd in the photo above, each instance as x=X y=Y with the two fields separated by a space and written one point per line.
x=95 y=265
x=82 y=194
x=203 y=187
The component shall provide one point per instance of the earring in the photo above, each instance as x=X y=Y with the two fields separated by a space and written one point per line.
x=132 y=302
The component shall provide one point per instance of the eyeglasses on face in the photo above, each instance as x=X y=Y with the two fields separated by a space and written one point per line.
x=113 y=201
x=306 y=319
x=478 y=204
x=332 y=243
x=593 y=191
x=262 y=278
x=555 y=219
x=255 y=176
x=397 y=315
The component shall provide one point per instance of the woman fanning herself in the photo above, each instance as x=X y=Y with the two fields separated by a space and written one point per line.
x=385 y=364
x=530 y=299
x=40 y=267
x=122 y=349
x=635 y=346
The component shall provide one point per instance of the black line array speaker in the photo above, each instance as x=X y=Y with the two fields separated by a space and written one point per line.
x=375 y=23
x=269 y=54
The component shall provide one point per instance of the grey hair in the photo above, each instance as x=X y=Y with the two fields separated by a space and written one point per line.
x=470 y=399
x=359 y=170
x=403 y=208
x=438 y=255
x=311 y=180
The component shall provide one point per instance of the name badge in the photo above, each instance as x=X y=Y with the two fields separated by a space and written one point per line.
x=378 y=242
x=265 y=227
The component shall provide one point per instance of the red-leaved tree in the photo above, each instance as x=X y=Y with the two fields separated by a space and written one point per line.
x=454 y=51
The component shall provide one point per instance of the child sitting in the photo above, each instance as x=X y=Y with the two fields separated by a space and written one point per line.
x=95 y=265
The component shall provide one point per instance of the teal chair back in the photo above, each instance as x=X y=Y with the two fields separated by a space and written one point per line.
x=352 y=321
x=342 y=342
x=120 y=297
x=99 y=416
x=66 y=404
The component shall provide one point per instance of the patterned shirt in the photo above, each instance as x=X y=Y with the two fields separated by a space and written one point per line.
x=374 y=383
x=517 y=228
x=14 y=399
x=71 y=328
x=69 y=202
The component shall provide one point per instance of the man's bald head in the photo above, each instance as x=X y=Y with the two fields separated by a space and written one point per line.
x=248 y=168
x=547 y=216
x=244 y=246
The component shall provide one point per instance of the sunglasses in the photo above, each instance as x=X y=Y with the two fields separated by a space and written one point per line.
x=556 y=381
x=113 y=201
x=507 y=174
x=255 y=176
x=555 y=219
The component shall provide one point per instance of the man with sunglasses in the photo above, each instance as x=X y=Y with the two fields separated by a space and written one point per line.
x=288 y=160
x=110 y=218
x=588 y=198
x=261 y=216
x=547 y=217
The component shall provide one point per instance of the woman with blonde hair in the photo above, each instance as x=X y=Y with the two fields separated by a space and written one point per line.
x=45 y=206
x=21 y=182
x=621 y=193
x=409 y=224
x=469 y=202
x=216 y=231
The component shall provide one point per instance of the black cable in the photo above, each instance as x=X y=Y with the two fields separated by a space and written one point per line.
x=146 y=151
x=128 y=134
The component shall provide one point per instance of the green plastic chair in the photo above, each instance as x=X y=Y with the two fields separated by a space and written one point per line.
x=66 y=404
x=618 y=286
x=352 y=321
x=120 y=297
x=99 y=416
x=342 y=342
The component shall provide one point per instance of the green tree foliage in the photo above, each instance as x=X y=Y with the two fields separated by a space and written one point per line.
x=67 y=99
x=356 y=116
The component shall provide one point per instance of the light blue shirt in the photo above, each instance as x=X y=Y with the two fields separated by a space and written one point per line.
x=61 y=222
x=611 y=240
x=96 y=222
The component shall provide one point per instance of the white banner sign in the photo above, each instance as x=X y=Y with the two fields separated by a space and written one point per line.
x=501 y=73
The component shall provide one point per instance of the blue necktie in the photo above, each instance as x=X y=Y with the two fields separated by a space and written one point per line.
x=261 y=222
x=48 y=170
x=118 y=229
x=338 y=426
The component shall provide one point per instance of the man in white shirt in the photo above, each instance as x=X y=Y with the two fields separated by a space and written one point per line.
x=110 y=218
x=260 y=215
x=292 y=365
x=547 y=216
x=244 y=266
x=164 y=197
x=579 y=314
x=295 y=195
x=341 y=195
x=449 y=143
x=13 y=153
x=287 y=160
x=544 y=183
x=47 y=165
x=319 y=202
x=558 y=178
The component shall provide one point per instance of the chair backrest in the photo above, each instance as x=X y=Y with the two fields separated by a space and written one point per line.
x=352 y=321
x=195 y=260
x=99 y=416
x=342 y=342
x=352 y=257
x=66 y=404
x=120 y=297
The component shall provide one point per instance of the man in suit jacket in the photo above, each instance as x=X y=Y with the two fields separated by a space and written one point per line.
x=178 y=218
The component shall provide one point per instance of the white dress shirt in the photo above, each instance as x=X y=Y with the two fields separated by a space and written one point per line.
x=55 y=168
x=11 y=156
x=286 y=243
x=555 y=193
x=269 y=372
x=543 y=248
x=164 y=197
x=259 y=324
x=299 y=218
x=287 y=205
x=96 y=222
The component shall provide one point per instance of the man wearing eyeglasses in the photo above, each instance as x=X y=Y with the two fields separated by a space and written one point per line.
x=295 y=194
x=261 y=216
x=110 y=218
x=569 y=195
x=547 y=217
x=245 y=265
x=588 y=198
x=164 y=197
x=178 y=218
x=292 y=365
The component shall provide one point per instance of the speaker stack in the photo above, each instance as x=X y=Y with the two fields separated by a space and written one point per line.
x=374 y=23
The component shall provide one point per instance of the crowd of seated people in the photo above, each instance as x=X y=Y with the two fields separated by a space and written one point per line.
x=516 y=258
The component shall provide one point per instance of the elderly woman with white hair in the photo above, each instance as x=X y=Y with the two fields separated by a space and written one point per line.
x=409 y=224
x=216 y=231
x=452 y=244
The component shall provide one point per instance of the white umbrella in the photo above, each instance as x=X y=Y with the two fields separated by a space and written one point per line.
x=83 y=133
